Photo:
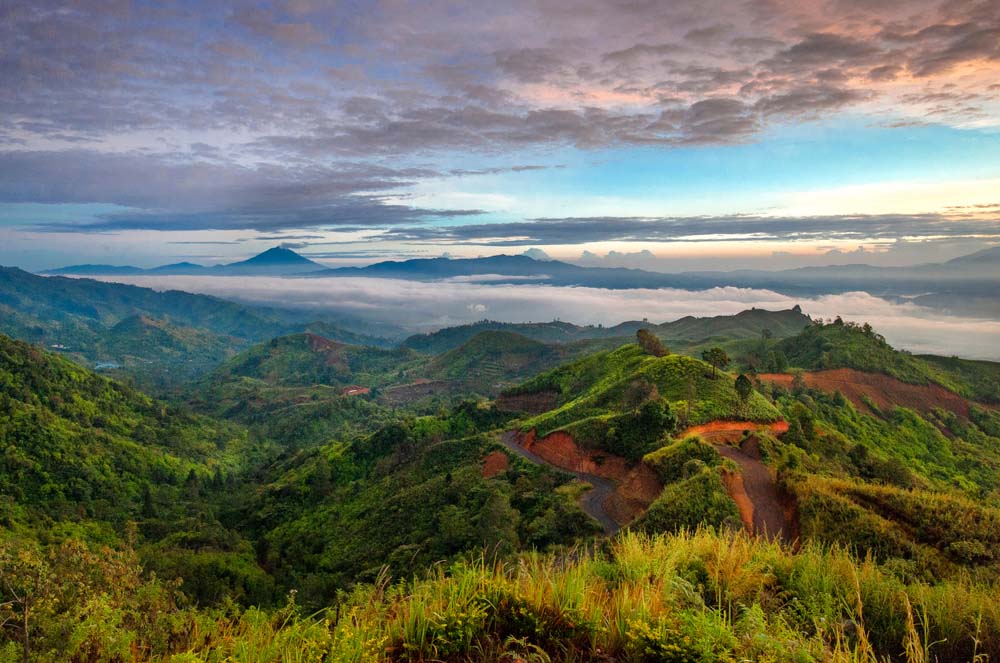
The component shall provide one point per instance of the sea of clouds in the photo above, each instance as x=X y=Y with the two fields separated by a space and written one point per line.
x=423 y=306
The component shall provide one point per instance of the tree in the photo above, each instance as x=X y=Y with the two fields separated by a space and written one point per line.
x=25 y=587
x=650 y=344
x=743 y=387
x=635 y=433
x=717 y=357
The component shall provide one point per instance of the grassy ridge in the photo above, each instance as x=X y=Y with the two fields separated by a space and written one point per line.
x=308 y=359
x=594 y=387
x=491 y=360
x=847 y=345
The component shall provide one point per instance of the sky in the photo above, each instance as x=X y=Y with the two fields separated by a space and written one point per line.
x=671 y=135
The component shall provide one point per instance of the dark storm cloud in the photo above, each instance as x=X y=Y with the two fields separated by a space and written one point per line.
x=700 y=229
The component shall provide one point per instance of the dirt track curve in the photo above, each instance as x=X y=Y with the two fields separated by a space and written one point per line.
x=756 y=495
x=762 y=509
x=592 y=502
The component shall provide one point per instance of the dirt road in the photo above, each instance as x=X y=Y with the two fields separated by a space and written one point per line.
x=592 y=502
x=756 y=495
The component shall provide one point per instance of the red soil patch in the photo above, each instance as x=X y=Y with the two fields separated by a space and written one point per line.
x=355 y=390
x=885 y=391
x=636 y=486
x=732 y=431
x=764 y=509
x=495 y=462
x=633 y=495
x=561 y=450
x=736 y=490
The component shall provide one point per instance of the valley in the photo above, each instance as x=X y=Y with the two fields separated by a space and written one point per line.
x=315 y=465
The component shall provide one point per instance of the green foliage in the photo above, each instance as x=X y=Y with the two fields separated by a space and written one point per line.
x=632 y=434
x=598 y=386
x=979 y=380
x=493 y=360
x=309 y=359
x=902 y=446
x=672 y=462
x=698 y=499
x=76 y=445
x=408 y=495
x=743 y=387
x=717 y=358
x=928 y=535
x=695 y=596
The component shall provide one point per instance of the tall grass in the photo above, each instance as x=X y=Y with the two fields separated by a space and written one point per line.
x=691 y=596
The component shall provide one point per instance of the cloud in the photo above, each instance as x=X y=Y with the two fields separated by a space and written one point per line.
x=703 y=228
x=279 y=115
x=163 y=193
x=426 y=305
x=537 y=254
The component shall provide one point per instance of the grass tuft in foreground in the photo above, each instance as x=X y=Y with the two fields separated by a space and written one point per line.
x=697 y=596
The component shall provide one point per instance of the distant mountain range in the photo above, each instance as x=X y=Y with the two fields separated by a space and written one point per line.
x=967 y=284
x=521 y=269
x=277 y=261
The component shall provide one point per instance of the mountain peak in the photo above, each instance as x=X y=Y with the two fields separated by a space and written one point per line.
x=986 y=256
x=276 y=260
x=277 y=255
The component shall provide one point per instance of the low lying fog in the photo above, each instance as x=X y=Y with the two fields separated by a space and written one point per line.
x=424 y=306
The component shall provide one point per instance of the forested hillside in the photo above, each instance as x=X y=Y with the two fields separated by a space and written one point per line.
x=80 y=446
x=155 y=338
x=299 y=484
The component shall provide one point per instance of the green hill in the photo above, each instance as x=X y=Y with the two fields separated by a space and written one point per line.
x=80 y=446
x=409 y=495
x=743 y=325
x=492 y=360
x=848 y=345
x=290 y=390
x=158 y=338
x=593 y=390
x=309 y=359
x=450 y=338
x=845 y=345
x=980 y=378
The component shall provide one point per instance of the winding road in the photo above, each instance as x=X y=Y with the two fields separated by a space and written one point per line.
x=762 y=509
x=593 y=500
x=756 y=495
